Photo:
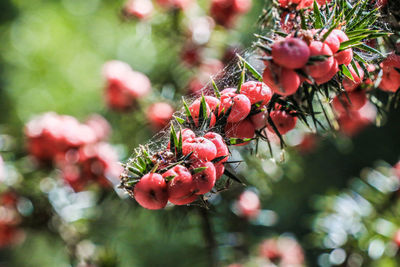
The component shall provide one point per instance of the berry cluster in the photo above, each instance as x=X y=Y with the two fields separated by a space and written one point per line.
x=123 y=85
x=77 y=148
x=195 y=175
x=191 y=164
x=310 y=57
x=90 y=164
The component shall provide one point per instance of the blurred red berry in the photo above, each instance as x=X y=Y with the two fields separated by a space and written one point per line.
x=141 y=9
x=248 y=205
x=283 y=121
x=350 y=85
x=159 y=114
x=342 y=104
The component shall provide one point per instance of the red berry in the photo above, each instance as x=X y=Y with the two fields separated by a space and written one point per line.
x=332 y=41
x=181 y=189
x=241 y=6
x=99 y=126
x=123 y=85
x=218 y=141
x=151 y=191
x=328 y=76
x=350 y=85
x=194 y=109
x=357 y=100
x=240 y=104
x=396 y=238
x=344 y=57
x=186 y=134
x=202 y=148
x=354 y=121
x=283 y=121
x=228 y=90
x=282 y=81
x=219 y=170
x=242 y=130
x=256 y=92
x=390 y=80
x=320 y=68
x=141 y=9
x=291 y=53
x=259 y=120
x=204 y=180
x=340 y=35
x=159 y=114
x=248 y=204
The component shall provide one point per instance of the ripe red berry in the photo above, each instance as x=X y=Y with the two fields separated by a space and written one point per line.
x=332 y=41
x=218 y=141
x=181 y=189
x=219 y=170
x=328 y=76
x=282 y=81
x=350 y=85
x=151 y=191
x=240 y=104
x=202 y=148
x=186 y=134
x=204 y=180
x=283 y=120
x=256 y=92
x=242 y=130
x=344 y=57
x=357 y=100
x=228 y=90
x=159 y=114
x=291 y=53
x=194 y=109
x=259 y=120
x=320 y=68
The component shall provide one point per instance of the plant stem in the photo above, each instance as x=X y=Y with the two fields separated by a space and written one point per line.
x=209 y=237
